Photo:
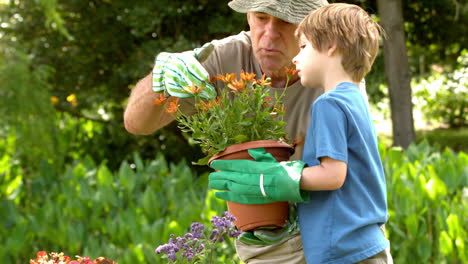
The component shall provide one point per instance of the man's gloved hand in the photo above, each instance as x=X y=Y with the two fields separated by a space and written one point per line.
x=257 y=182
x=173 y=72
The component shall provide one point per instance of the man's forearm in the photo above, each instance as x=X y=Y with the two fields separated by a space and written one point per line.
x=141 y=115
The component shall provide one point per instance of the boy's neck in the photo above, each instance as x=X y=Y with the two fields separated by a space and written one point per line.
x=333 y=82
x=335 y=75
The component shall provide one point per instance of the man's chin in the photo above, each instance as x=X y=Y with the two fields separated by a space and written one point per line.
x=272 y=68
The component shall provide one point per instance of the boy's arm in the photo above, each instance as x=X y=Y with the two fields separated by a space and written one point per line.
x=329 y=175
x=266 y=180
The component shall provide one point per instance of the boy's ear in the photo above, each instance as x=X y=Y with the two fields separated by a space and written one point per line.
x=331 y=49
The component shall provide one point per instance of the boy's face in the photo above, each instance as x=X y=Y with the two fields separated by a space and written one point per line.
x=309 y=63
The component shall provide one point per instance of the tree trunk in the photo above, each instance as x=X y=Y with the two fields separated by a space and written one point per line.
x=397 y=71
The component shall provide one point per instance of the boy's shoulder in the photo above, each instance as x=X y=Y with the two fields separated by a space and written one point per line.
x=343 y=90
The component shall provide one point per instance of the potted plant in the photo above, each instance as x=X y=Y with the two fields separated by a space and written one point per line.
x=244 y=115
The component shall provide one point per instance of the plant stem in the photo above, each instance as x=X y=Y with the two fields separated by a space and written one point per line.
x=211 y=255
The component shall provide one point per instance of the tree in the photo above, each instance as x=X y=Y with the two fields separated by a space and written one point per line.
x=397 y=70
x=96 y=50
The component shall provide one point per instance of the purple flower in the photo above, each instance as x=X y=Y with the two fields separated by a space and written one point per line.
x=221 y=223
x=197 y=229
x=216 y=236
x=170 y=249
x=229 y=216
x=234 y=233
x=192 y=245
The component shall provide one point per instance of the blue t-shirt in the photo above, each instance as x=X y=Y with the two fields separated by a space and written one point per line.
x=342 y=226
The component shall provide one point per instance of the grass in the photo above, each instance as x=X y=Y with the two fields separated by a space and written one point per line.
x=454 y=138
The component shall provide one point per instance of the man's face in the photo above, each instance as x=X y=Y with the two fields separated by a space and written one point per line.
x=273 y=42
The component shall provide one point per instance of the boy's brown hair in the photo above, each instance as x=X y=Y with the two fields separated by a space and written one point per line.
x=355 y=33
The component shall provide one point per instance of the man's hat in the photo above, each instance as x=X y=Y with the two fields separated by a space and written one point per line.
x=292 y=11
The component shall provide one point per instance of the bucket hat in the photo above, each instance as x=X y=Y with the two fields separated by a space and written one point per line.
x=292 y=11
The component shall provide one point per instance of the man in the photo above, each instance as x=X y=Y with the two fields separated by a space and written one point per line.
x=267 y=49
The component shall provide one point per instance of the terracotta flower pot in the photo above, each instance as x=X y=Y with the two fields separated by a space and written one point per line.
x=248 y=216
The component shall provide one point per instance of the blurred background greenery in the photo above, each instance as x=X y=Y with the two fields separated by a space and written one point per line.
x=72 y=179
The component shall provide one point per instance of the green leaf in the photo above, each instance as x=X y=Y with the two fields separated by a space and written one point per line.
x=411 y=223
x=127 y=177
x=240 y=138
x=435 y=188
x=445 y=242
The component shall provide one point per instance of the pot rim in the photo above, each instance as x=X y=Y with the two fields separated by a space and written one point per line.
x=268 y=143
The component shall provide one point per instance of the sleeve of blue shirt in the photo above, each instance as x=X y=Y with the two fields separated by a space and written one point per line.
x=327 y=132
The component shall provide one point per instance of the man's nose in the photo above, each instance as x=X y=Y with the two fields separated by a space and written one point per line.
x=272 y=28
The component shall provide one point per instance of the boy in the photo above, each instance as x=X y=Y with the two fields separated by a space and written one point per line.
x=340 y=224
x=343 y=191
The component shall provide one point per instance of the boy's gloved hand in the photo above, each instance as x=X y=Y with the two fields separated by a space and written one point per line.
x=173 y=72
x=257 y=182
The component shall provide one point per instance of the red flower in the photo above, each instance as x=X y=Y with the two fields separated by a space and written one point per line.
x=42 y=254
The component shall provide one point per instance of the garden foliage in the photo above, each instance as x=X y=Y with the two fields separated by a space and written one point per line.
x=124 y=215
x=427 y=201
x=88 y=210
x=443 y=97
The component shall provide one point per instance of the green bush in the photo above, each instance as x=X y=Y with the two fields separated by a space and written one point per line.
x=427 y=204
x=124 y=215
x=88 y=210
x=444 y=97
x=441 y=138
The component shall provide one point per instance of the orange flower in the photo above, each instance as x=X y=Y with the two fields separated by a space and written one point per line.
x=217 y=101
x=229 y=77
x=54 y=100
x=160 y=100
x=266 y=100
x=291 y=71
x=279 y=109
x=248 y=77
x=204 y=106
x=213 y=79
x=172 y=105
x=193 y=89
x=263 y=82
x=236 y=85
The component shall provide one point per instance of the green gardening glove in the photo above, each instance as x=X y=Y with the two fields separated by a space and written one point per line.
x=173 y=72
x=257 y=182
